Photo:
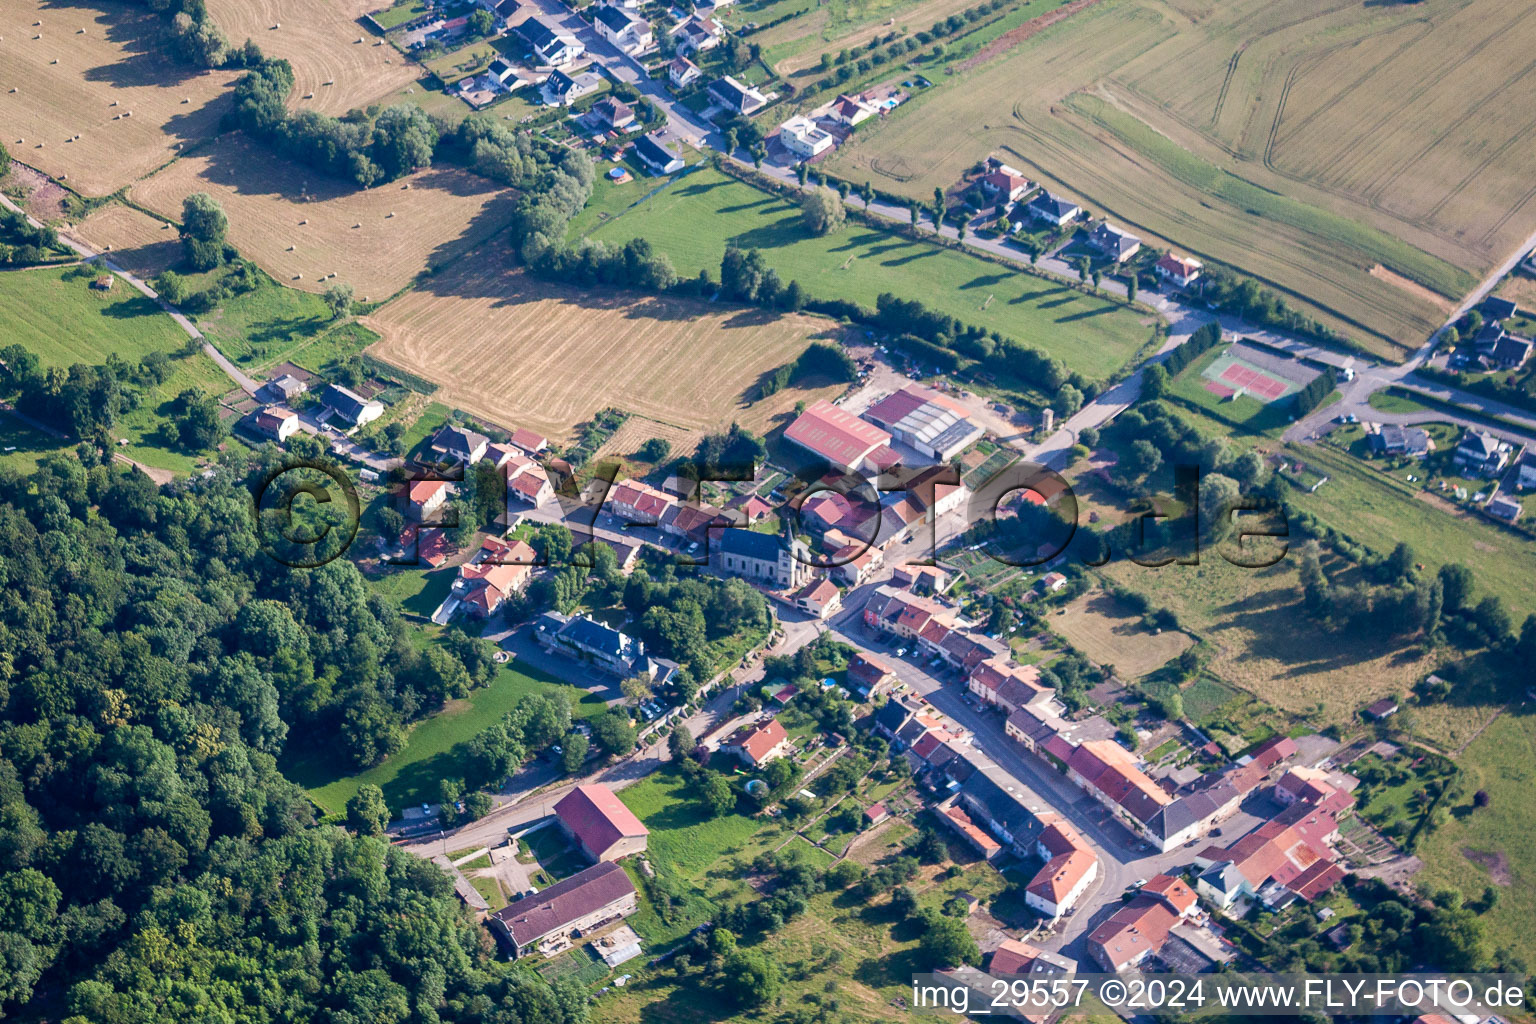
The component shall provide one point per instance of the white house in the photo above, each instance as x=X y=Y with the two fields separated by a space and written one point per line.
x=697 y=35
x=624 y=30
x=550 y=44
x=850 y=110
x=1049 y=208
x=277 y=422
x=803 y=138
x=561 y=89
x=660 y=154
x=683 y=72
x=1179 y=270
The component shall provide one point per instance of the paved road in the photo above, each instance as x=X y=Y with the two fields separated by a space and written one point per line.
x=89 y=254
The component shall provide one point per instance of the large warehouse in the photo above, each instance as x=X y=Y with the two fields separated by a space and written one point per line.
x=925 y=420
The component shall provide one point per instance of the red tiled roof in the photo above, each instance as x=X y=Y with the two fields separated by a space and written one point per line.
x=930 y=742
x=867 y=669
x=835 y=434
x=422 y=491
x=1142 y=925
x=597 y=817
x=566 y=902
x=962 y=823
x=1062 y=874
x=758 y=741
x=1012 y=957
x=1172 y=891
x=528 y=440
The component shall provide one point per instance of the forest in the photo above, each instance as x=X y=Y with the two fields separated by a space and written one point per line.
x=157 y=866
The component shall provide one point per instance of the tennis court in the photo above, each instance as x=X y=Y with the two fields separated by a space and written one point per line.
x=1230 y=373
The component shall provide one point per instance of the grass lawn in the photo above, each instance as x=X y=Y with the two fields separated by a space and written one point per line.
x=22 y=446
x=59 y=317
x=262 y=326
x=692 y=221
x=399 y=14
x=148 y=429
x=1395 y=401
x=1492 y=845
x=1379 y=509
x=434 y=746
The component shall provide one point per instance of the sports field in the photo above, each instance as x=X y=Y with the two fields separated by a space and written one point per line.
x=1306 y=143
x=522 y=352
x=302 y=226
x=83 y=71
x=336 y=65
x=135 y=240
x=1242 y=370
x=693 y=219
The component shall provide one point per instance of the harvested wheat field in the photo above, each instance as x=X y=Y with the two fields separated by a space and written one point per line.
x=1305 y=143
x=98 y=71
x=135 y=240
x=1109 y=634
x=302 y=227
x=523 y=352
x=336 y=65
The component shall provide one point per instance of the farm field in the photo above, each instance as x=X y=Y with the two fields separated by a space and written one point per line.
x=433 y=746
x=437 y=213
x=109 y=62
x=334 y=58
x=57 y=315
x=693 y=220
x=797 y=45
x=521 y=352
x=1491 y=845
x=137 y=242
x=1109 y=634
x=1305 y=143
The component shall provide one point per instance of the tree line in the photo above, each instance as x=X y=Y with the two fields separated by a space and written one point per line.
x=820 y=360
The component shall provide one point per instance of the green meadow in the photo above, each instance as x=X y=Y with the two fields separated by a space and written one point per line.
x=694 y=218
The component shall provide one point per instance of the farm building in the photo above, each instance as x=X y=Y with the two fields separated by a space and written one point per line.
x=840 y=438
x=600 y=823
x=549 y=920
x=925 y=420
